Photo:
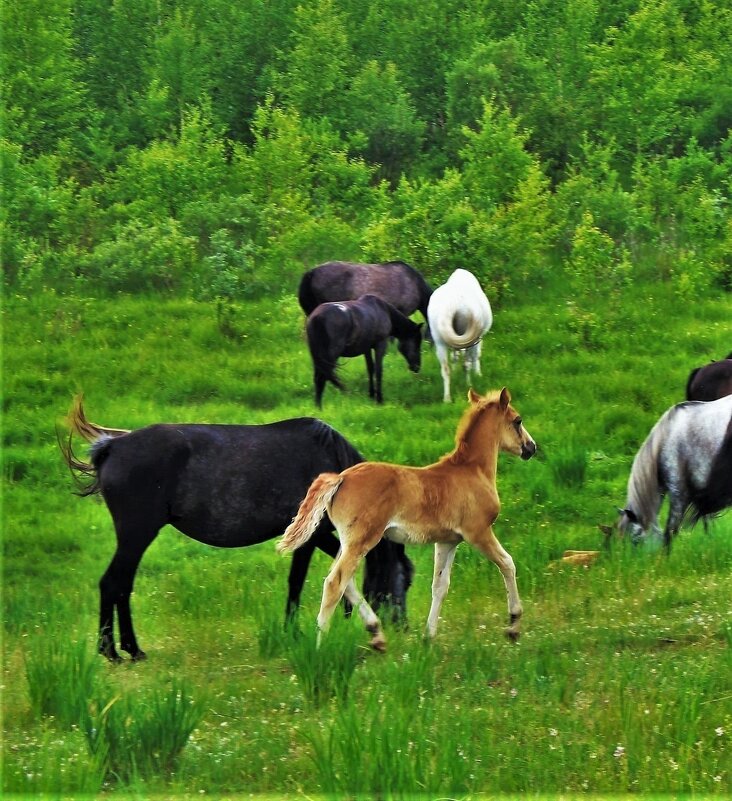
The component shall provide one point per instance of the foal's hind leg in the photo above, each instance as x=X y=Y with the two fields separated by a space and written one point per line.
x=489 y=545
x=340 y=581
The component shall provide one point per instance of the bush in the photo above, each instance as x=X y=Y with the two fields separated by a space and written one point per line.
x=141 y=258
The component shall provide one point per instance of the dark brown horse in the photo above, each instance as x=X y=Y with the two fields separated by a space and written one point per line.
x=359 y=328
x=710 y=382
x=394 y=281
x=223 y=485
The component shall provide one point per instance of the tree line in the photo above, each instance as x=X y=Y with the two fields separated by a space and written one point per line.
x=218 y=148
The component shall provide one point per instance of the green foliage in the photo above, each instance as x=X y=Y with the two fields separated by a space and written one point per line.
x=621 y=676
x=141 y=258
x=142 y=737
x=123 y=117
x=62 y=678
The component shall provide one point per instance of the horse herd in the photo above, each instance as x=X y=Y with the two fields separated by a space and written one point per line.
x=237 y=485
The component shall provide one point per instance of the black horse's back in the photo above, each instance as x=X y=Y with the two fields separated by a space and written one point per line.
x=710 y=382
x=396 y=282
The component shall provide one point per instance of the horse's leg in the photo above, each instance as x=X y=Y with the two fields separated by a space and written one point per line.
x=298 y=570
x=379 y=352
x=488 y=545
x=329 y=544
x=319 y=380
x=371 y=621
x=444 y=557
x=444 y=360
x=115 y=589
x=334 y=587
x=370 y=371
x=677 y=506
x=477 y=350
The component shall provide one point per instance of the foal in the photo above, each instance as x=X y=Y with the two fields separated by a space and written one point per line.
x=355 y=328
x=444 y=503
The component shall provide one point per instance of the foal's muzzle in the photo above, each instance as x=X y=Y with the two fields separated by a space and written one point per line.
x=528 y=450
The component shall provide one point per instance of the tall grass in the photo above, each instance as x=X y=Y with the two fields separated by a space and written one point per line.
x=619 y=684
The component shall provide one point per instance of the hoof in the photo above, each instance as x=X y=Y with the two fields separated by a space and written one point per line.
x=378 y=643
x=512 y=634
x=140 y=656
x=111 y=656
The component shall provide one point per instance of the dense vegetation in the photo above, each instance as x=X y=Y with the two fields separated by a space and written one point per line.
x=620 y=682
x=214 y=147
x=170 y=168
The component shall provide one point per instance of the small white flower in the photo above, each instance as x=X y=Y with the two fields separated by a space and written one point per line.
x=719 y=731
x=619 y=751
x=553 y=732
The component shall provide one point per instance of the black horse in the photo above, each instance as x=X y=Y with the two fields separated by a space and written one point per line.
x=222 y=485
x=394 y=281
x=355 y=328
x=710 y=382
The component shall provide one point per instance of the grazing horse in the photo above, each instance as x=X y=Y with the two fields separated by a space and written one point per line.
x=710 y=382
x=222 y=485
x=687 y=456
x=355 y=328
x=394 y=281
x=446 y=503
x=459 y=316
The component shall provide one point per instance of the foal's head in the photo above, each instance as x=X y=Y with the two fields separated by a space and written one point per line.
x=512 y=436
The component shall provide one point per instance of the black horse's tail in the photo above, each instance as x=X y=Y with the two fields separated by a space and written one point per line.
x=305 y=295
x=318 y=344
x=99 y=436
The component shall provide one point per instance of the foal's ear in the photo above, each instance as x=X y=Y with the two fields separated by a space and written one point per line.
x=473 y=396
x=505 y=399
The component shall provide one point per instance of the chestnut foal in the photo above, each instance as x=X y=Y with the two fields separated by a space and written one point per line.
x=444 y=503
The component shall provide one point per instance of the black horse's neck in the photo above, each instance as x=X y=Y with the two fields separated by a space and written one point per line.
x=401 y=325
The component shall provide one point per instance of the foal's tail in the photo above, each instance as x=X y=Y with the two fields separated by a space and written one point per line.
x=91 y=432
x=311 y=511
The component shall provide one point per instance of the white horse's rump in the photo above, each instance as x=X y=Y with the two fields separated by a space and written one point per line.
x=459 y=316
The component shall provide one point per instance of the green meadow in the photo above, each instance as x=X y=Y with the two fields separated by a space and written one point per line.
x=621 y=682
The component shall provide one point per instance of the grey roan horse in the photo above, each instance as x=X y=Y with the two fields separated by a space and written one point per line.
x=394 y=281
x=223 y=485
x=687 y=456
x=355 y=328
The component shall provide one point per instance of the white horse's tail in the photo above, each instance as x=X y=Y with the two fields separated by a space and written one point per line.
x=311 y=511
x=459 y=312
x=461 y=329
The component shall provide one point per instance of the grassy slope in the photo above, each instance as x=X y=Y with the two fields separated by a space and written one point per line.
x=633 y=653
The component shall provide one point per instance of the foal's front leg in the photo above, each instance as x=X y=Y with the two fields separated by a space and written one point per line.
x=489 y=545
x=444 y=557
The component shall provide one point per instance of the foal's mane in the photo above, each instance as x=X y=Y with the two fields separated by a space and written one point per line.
x=467 y=423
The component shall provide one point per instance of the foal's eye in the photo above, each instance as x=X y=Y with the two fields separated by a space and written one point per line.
x=517 y=422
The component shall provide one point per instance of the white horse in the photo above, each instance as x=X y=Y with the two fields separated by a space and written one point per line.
x=687 y=456
x=459 y=316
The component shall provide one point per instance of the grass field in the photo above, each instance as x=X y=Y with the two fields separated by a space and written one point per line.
x=621 y=682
